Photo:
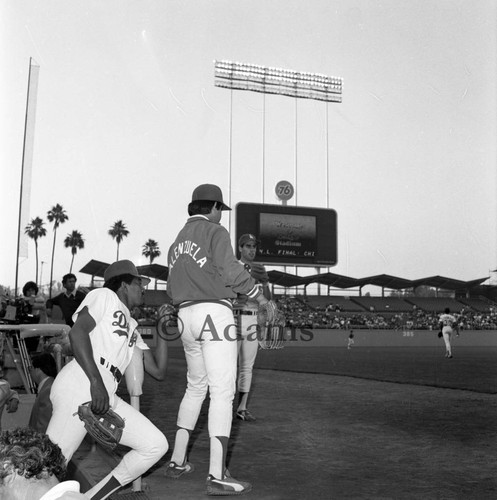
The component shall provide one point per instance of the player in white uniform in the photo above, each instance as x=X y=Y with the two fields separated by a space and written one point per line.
x=246 y=312
x=103 y=340
x=448 y=324
x=350 y=341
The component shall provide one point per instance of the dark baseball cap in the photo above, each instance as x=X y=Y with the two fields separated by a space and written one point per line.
x=247 y=238
x=123 y=267
x=209 y=192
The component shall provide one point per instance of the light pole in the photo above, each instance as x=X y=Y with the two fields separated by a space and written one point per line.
x=267 y=80
x=41 y=275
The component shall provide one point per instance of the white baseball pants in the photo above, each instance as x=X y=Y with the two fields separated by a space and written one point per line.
x=210 y=345
x=247 y=351
x=72 y=388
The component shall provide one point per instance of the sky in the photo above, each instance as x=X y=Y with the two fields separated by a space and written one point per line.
x=129 y=122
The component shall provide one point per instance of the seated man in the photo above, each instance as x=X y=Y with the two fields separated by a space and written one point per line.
x=31 y=467
x=68 y=301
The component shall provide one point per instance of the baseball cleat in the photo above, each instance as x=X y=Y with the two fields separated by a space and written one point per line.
x=245 y=415
x=174 y=471
x=226 y=487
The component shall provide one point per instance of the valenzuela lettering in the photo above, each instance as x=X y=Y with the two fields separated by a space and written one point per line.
x=190 y=248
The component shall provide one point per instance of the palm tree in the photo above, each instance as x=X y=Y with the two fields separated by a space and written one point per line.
x=74 y=241
x=58 y=216
x=36 y=230
x=151 y=250
x=118 y=231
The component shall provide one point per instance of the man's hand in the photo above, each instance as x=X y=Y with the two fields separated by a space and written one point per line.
x=99 y=398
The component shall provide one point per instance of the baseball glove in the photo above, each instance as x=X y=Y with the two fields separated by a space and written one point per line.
x=267 y=313
x=106 y=429
x=440 y=334
x=271 y=326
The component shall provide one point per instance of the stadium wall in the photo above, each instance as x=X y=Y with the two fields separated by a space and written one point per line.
x=362 y=338
x=391 y=338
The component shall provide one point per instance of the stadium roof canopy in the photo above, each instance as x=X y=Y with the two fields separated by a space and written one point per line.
x=95 y=268
x=380 y=280
x=330 y=279
x=155 y=271
x=448 y=283
x=387 y=281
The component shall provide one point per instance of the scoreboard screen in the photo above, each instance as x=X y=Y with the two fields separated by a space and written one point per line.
x=290 y=235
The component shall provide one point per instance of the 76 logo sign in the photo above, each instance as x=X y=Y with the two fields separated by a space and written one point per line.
x=284 y=190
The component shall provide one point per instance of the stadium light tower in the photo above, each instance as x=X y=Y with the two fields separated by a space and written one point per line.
x=268 y=80
x=241 y=76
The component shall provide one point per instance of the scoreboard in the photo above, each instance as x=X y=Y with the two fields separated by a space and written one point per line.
x=289 y=235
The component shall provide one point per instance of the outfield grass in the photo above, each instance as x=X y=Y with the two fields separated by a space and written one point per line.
x=471 y=368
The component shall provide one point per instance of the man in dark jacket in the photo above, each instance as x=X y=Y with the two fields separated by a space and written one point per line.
x=68 y=301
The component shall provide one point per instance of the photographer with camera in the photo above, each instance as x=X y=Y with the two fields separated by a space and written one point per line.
x=33 y=309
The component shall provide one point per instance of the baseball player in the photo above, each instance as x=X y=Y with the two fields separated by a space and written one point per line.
x=204 y=277
x=246 y=312
x=350 y=341
x=103 y=340
x=448 y=324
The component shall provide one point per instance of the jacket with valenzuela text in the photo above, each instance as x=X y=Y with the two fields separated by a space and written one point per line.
x=202 y=265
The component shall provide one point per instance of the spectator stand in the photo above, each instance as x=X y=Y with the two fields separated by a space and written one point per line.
x=380 y=313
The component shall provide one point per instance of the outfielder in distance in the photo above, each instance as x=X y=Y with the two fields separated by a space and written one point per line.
x=104 y=339
x=448 y=323
x=246 y=312
x=204 y=278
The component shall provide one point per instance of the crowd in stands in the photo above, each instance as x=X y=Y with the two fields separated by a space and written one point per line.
x=300 y=314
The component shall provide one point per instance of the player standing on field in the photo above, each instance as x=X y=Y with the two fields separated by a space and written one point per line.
x=350 y=341
x=448 y=324
x=246 y=311
x=103 y=340
x=204 y=278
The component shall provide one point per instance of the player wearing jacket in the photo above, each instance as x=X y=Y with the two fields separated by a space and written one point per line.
x=204 y=278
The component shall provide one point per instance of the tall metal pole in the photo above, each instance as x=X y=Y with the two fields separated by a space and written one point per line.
x=263 y=144
x=296 y=152
x=327 y=162
x=327 y=170
x=41 y=275
x=27 y=130
x=296 y=170
x=230 y=158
